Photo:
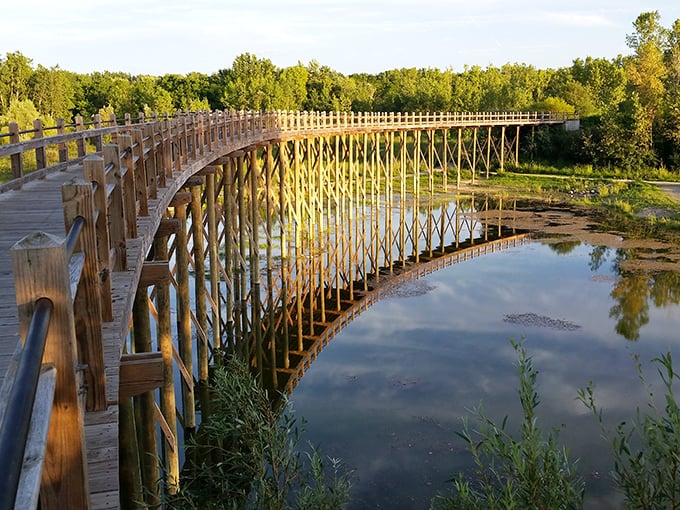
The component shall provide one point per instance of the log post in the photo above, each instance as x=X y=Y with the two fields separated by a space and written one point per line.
x=116 y=216
x=80 y=142
x=78 y=201
x=63 y=147
x=40 y=266
x=146 y=402
x=127 y=170
x=93 y=171
x=141 y=179
x=40 y=152
x=16 y=159
x=184 y=316
x=200 y=292
x=98 y=138
x=213 y=249
x=167 y=396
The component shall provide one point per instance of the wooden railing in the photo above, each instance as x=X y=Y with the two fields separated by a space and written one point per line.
x=73 y=142
x=101 y=212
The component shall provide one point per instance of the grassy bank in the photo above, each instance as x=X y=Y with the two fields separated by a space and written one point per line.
x=617 y=200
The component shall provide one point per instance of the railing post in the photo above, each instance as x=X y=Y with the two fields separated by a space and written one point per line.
x=78 y=200
x=98 y=139
x=17 y=159
x=116 y=216
x=127 y=171
x=94 y=172
x=40 y=152
x=114 y=122
x=40 y=265
x=63 y=148
x=80 y=142
x=137 y=164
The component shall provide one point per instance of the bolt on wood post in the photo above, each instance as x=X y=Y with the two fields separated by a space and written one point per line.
x=40 y=265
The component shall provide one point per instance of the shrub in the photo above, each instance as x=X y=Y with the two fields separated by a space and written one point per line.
x=649 y=474
x=247 y=455
x=529 y=472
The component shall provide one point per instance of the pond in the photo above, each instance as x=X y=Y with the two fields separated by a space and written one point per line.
x=388 y=393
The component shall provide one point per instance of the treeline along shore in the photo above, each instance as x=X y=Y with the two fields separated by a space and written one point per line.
x=629 y=105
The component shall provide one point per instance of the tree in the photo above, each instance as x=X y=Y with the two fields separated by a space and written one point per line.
x=646 y=71
x=671 y=114
x=15 y=72
x=327 y=90
x=52 y=91
x=251 y=83
x=293 y=87
x=22 y=112
x=188 y=92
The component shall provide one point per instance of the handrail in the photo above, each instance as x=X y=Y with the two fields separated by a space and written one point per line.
x=15 y=426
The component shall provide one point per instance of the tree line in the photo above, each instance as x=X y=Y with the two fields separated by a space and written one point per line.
x=629 y=105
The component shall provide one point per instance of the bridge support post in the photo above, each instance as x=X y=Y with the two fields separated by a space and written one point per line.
x=145 y=403
x=167 y=394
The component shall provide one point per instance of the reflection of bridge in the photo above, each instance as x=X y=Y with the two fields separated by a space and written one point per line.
x=285 y=379
x=303 y=182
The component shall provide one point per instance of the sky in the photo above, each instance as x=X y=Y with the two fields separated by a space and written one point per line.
x=157 y=37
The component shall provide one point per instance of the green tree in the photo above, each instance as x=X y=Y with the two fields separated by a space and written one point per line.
x=646 y=71
x=327 y=90
x=15 y=73
x=671 y=114
x=52 y=91
x=22 y=112
x=188 y=92
x=250 y=84
x=293 y=88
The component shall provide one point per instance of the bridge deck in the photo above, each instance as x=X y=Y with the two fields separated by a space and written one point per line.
x=38 y=207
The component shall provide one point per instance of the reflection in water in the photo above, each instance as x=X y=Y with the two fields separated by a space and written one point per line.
x=388 y=394
x=634 y=290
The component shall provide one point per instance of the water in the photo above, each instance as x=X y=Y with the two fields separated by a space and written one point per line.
x=388 y=393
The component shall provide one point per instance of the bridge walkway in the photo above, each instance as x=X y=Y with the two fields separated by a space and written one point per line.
x=38 y=207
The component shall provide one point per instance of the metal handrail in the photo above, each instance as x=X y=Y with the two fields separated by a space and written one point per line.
x=15 y=426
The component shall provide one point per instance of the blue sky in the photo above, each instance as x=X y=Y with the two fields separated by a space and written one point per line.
x=180 y=36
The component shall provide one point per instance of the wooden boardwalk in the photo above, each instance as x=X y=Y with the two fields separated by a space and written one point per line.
x=37 y=206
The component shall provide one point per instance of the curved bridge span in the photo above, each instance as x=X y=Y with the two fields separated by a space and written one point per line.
x=135 y=250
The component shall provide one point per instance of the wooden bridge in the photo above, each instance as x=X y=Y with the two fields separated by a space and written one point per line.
x=102 y=220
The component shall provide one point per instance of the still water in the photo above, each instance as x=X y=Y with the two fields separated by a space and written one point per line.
x=388 y=393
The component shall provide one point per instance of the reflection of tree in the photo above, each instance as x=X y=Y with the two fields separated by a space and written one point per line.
x=632 y=307
x=633 y=291
x=564 y=247
x=598 y=256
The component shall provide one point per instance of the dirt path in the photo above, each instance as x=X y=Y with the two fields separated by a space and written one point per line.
x=672 y=189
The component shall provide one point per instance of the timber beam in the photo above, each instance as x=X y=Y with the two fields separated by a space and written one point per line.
x=140 y=373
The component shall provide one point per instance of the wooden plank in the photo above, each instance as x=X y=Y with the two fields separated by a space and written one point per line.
x=36 y=445
x=140 y=373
